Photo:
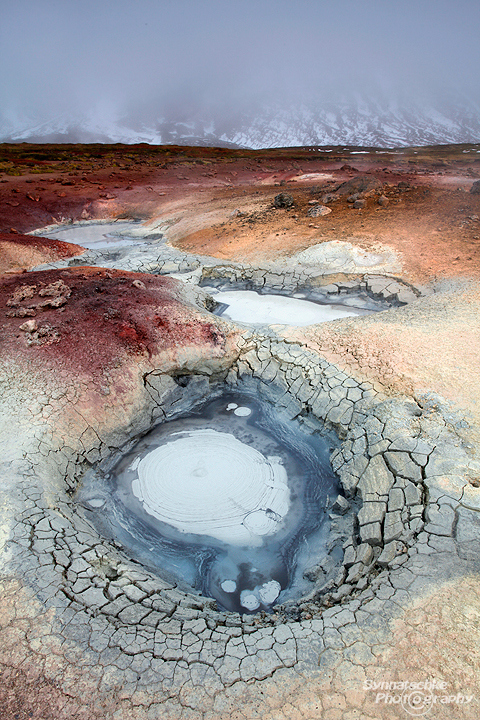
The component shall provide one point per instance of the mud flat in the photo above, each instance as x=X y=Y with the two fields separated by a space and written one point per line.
x=101 y=348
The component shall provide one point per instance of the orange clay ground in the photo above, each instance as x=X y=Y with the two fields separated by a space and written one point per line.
x=219 y=202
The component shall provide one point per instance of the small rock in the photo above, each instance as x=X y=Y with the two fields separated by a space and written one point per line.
x=388 y=554
x=349 y=556
x=475 y=189
x=341 y=505
x=342 y=592
x=21 y=312
x=364 y=554
x=319 y=211
x=55 y=289
x=29 y=326
x=25 y=292
x=359 y=204
x=54 y=302
x=355 y=573
x=371 y=534
x=139 y=284
x=383 y=200
x=283 y=200
x=359 y=185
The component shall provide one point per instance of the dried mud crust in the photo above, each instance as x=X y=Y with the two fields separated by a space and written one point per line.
x=147 y=649
x=432 y=343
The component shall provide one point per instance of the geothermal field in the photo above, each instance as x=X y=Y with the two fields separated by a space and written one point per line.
x=240 y=424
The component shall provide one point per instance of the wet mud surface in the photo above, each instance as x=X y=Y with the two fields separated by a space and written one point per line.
x=225 y=502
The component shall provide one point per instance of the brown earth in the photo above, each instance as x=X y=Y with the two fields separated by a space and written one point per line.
x=220 y=202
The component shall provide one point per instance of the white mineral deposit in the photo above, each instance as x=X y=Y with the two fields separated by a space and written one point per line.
x=248 y=600
x=242 y=411
x=209 y=483
x=269 y=591
x=229 y=586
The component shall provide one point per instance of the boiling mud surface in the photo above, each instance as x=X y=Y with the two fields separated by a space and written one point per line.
x=252 y=308
x=230 y=500
x=99 y=235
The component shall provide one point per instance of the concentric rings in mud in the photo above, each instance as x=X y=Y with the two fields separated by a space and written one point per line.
x=209 y=483
x=222 y=501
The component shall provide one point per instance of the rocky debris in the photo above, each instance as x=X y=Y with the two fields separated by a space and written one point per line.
x=29 y=326
x=329 y=198
x=283 y=200
x=341 y=505
x=383 y=200
x=25 y=304
x=319 y=211
x=475 y=189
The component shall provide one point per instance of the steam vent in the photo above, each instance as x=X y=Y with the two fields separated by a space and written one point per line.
x=239 y=433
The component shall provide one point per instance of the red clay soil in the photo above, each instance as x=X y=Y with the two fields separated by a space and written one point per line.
x=431 y=219
x=85 y=319
x=18 y=253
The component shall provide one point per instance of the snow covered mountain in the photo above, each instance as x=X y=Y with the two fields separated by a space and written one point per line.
x=361 y=121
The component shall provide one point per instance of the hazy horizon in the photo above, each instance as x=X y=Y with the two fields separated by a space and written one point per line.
x=136 y=63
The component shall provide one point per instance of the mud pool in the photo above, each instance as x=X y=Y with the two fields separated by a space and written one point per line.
x=248 y=306
x=230 y=500
x=98 y=236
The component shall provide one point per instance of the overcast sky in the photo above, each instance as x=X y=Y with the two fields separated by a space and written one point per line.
x=192 y=58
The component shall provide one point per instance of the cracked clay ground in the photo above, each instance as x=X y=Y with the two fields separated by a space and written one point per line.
x=99 y=346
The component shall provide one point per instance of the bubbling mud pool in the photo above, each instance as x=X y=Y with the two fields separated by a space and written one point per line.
x=99 y=236
x=230 y=500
